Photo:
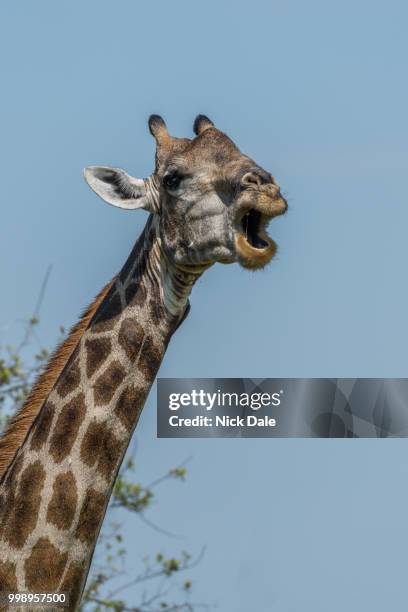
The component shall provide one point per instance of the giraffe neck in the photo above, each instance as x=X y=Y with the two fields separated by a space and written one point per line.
x=55 y=492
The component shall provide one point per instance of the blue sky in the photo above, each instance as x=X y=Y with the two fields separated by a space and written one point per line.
x=317 y=93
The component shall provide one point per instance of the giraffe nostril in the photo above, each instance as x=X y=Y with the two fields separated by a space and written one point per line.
x=257 y=176
x=250 y=179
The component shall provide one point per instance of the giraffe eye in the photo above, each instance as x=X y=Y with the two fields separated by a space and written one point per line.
x=172 y=181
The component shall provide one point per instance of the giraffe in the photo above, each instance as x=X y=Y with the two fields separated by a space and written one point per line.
x=60 y=454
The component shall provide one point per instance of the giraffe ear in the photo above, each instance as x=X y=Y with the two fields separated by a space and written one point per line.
x=118 y=188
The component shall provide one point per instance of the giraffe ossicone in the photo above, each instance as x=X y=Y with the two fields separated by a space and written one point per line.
x=61 y=452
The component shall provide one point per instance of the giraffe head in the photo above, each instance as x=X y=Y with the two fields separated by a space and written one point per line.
x=213 y=202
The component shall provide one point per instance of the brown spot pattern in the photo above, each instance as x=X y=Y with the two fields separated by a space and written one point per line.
x=101 y=448
x=14 y=472
x=41 y=427
x=70 y=377
x=155 y=311
x=107 y=383
x=72 y=583
x=20 y=424
x=20 y=511
x=131 y=336
x=66 y=428
x=109 y=455
x=130 y=292
x=106 y=317
x=155 y=304
x=129 y=265
x=150 y=359
x=97 y=352
x=91 y=443
x=91 y=516
x=44 y=567
x=136 y=294
x=8 y=578
x=61 y=509
x=129 y=405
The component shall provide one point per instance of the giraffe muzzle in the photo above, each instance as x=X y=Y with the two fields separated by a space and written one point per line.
x=255 y=248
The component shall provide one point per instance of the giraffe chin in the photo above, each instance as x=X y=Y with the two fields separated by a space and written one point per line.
x=251 y=257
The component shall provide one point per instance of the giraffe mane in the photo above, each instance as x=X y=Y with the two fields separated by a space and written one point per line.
x=20 y=424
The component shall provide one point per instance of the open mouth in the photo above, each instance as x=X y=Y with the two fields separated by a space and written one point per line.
x=253 y=229
x=254 y=247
